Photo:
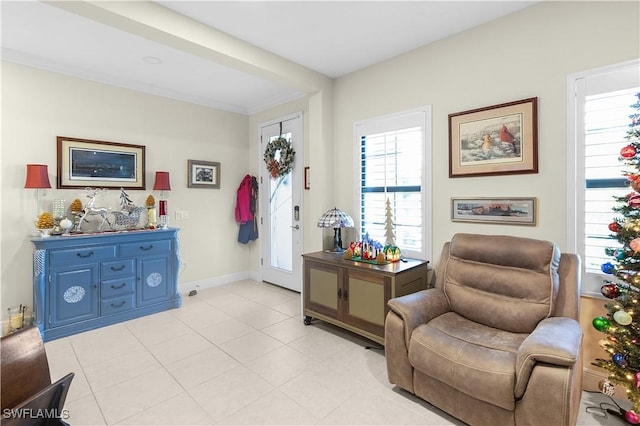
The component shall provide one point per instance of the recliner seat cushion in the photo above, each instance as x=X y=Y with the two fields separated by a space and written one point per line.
x=501 y=281
x=473 y=358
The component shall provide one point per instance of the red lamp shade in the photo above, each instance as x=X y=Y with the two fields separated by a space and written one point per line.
x=38 y=176
x=162 y=182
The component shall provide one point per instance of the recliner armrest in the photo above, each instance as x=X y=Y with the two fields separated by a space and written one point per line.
x=418 y=308
x=556 y=341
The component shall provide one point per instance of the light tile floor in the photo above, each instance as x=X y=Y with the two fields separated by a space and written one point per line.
x=237 y=354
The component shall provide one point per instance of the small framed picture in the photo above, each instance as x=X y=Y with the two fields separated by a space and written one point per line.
x=203 y=174
x=307 y=178
x=503 y=211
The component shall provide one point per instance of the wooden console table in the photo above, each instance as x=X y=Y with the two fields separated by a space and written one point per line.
x=354 y=295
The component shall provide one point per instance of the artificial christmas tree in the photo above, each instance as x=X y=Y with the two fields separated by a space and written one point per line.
x=621 y=325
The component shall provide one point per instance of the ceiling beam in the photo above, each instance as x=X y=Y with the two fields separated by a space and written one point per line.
x=157 y=23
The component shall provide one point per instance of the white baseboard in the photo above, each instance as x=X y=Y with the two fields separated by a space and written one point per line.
x=185 y=288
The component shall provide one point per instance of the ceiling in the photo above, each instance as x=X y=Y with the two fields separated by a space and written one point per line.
x=331 y=38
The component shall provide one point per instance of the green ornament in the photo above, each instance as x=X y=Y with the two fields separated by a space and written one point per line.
x=621 y=255
x=601 y=324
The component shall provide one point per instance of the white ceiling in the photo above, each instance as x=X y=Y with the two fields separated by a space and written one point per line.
x=333 y=38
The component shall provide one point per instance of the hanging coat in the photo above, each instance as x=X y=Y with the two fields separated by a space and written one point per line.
x=246 y=207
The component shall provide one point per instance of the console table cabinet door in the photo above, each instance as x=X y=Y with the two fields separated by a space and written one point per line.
x=74 y=295
x=322 y=289
x=365 y=297
x=153 y=280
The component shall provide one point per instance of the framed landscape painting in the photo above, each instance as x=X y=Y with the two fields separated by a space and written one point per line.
x=505 y=211
x=494 y=140
x=88 y=163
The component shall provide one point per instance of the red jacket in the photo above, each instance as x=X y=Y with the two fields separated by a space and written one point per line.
x=243 y=201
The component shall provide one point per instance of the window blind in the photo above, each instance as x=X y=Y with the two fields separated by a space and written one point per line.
x=392 y=168
x=606 y=121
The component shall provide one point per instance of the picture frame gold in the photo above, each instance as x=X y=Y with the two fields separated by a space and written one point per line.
x=203 y=174
x=83 y=163
x=503 y=211
x=495 y=140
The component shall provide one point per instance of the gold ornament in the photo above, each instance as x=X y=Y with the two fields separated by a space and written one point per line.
x=76 y=205
x=348 y=254
x=45 y=221
x=150 y=201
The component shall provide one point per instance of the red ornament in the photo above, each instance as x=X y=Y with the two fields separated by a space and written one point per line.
x=614 y=227
x=628 y=152
x=631 y=417
x=636 y=379
x=634 y=201
x=610 y=290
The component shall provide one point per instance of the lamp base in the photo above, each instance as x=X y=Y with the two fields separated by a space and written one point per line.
x=337 y=241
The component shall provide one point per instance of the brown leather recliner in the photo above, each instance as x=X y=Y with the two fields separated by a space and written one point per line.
x=497 y=340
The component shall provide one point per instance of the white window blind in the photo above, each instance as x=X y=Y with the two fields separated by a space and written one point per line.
x=598 y=108
x=606 y=121
x=392 y=153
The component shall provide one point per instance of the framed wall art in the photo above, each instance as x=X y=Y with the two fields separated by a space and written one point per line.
x=203 y=174
x=504 y=211
x=88 y=163
x=494 y=140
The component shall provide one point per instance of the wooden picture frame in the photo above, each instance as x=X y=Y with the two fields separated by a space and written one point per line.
x=495 y=140
x=503 y=211
x=86 y=163
x=203 y=174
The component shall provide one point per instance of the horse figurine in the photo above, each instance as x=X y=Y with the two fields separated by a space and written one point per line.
x=91 y=210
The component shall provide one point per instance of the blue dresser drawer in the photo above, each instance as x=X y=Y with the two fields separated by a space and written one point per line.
x=83 y=255
x=117 y=287
x=145 y=248
x=117 y=304
x=117 y=268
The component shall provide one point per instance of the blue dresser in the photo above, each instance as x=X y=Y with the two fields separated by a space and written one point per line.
x=81 y=282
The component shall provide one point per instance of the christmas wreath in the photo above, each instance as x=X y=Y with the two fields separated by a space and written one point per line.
x=284 y=163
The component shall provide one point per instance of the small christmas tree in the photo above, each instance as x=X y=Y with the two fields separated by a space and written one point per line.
x=389 y=234
x=621 y=325
x=125 y=202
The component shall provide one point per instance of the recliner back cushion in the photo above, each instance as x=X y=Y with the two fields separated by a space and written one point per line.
x=505 y=282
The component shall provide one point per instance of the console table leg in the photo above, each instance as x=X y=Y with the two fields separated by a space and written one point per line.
x=307 y=320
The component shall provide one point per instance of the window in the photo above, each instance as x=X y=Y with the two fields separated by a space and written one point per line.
x=393 y=155
x=601 y=101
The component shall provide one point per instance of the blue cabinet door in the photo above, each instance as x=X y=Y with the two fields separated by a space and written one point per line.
x=153 y=280
x=74 y=295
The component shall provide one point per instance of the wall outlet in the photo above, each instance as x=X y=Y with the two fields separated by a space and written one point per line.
x=182 y=214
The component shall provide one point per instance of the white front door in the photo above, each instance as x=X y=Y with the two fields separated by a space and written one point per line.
x=280 y=208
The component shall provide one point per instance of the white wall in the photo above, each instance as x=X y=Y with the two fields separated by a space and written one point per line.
x=526 y=54
x=37 y=106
